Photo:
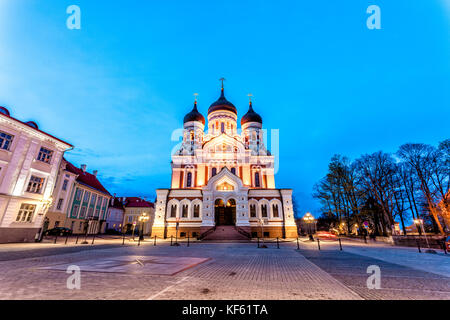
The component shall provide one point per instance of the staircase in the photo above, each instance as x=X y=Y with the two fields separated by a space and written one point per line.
x=226 y=233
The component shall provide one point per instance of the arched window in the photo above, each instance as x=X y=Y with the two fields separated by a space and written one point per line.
x=189 y=180
x=253 y=211
x=222 y=127
x=275 y=210
x=196 y=211
x=185 y=211
x=191 y=135
x=214 y=171
x=233 y=170
x=264 y=211
x=257 y=183
x=173 y=211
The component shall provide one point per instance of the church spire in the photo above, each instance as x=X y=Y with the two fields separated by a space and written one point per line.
x=222 y=95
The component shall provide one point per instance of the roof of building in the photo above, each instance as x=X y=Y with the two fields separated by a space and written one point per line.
x=86 y=178
x=222 y=104
x=31 y=124
x=251 y=116
x=194 y=115
x=136 y=202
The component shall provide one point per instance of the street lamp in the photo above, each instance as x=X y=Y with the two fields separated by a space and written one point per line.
x=309 y=219
x=419 y=223
x=142 y=219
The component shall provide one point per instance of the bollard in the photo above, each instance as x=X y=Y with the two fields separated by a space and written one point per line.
x=67 y=237
x=340 y=244
x=258 y=242
x=56 y=238
x=445 y=247
x=76 y=242
x=188 y=240
x=418 y=245
x=154 y=243
x=365 y=239
x=123 y=239
x=171 y=239
x=298 y=246
x=278 y=244
x=93 y=238
x=318 y=243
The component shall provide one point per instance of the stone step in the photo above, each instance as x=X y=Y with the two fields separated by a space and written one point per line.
x=225 y=233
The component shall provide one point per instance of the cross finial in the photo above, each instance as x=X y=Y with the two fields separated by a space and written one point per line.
x=250 y=97
x=195 y=95
x=222 y=80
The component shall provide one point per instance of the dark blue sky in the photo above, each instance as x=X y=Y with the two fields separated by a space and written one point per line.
x=118 y=87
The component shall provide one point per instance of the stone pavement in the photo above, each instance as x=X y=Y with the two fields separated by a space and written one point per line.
x=206 y=271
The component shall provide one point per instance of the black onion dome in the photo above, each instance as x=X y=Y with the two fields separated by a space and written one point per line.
x=194 y=115
x=251 y=116
x=222 y=104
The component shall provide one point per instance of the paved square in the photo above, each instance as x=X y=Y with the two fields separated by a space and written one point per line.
x=209 y=271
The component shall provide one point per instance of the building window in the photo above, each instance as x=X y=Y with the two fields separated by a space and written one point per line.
x=82 y=212
x=75 y=210
x=253 y=211
x=196 y=211
x=257 y=183
x=275 y=210
x=185 y=211
x=59 y=205
x=93 y=199
x=45 y=155
x=189 y=180
x=65 y=183
x=78 y=194
x=214 y=171
x=91 y=212
x=86 y=196
x=35 y=184
x=191 y=133
x=173 y=211
x=264 y=211
x=26 y=212
x=222 y=127
x=5 y=141
x=233 y=170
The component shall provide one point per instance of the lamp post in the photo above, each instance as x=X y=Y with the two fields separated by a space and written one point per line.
x=419 y=223
x=309 y=219
x=142 y=219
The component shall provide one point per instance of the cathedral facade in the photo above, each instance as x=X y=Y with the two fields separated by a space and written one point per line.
x=223 y=181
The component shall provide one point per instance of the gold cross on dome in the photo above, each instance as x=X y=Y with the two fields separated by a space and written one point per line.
x=222 y=79
x=195 y=95
x=250 y=97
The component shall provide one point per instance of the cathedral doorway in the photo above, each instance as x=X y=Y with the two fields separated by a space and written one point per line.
x=225 y=214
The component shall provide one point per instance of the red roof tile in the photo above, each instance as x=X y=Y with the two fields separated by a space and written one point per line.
x=137 y=202
x=86 y=178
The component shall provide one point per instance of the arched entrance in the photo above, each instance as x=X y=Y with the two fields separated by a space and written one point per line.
x=225 y=214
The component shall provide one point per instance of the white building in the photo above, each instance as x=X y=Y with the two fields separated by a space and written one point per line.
x=29 y=162
x=225 y=178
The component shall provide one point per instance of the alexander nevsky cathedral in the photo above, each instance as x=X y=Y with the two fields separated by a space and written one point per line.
x=223 y=184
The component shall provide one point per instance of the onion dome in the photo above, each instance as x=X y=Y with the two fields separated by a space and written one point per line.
x=251 y=116
x=194 y=115
x=32 y=124
x=222 y=104
x=4 y=111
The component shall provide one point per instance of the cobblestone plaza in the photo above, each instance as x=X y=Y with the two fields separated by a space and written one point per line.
x=211 y=271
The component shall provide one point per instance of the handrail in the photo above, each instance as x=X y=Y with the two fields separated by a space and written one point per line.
x=243 y=232
x=207 y=232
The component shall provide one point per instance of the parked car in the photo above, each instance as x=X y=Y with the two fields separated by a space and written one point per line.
x=58 y=231
x=325 y=235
